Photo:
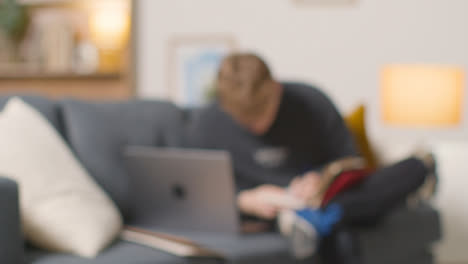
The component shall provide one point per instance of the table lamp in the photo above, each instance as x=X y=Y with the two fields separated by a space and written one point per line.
x=110 y=26
x=431 y=96
x=422 y=95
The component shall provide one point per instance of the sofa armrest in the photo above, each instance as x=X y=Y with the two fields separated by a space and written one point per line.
x=405 y=236
x=11 y=242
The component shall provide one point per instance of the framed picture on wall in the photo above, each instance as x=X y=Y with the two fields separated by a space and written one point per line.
x=193 y=64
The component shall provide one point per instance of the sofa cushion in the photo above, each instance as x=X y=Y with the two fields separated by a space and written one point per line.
x=269 y=248
x=120 y=252
x=244 y=249
x=99 y=131
x=62 y=208
x=356 y=122
x=415 y=229
x=48 y=108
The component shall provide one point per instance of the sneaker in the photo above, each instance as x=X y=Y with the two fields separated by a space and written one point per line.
x=304 y=228
x=304 y=239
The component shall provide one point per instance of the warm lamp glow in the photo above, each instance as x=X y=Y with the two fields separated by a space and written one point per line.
x=110 y=23
x=422 y=95
x=110 y=26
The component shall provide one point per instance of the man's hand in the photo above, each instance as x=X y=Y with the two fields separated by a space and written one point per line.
x=256 y=201
x=305 y=187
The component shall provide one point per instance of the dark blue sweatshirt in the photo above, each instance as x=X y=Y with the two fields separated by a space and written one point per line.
x=308 y=133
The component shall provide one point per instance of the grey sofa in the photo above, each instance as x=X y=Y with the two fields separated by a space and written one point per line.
x=97 y=132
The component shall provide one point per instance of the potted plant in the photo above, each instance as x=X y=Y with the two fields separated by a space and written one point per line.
x=13 y=24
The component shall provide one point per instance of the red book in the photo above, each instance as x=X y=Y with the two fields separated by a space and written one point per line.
x=343 y=182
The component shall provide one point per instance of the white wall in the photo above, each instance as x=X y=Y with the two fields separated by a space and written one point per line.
x=341 y=49
x=452 y=198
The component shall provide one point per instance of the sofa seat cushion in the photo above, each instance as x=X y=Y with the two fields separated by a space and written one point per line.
x=99 y=131
x=404 y=237
x=121 y=253
x=268 y=247
x=246 y=249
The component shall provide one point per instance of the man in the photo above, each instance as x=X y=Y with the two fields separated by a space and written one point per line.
x=280 y=136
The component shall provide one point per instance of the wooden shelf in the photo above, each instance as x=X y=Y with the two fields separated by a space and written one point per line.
x=59 y=76
x=45 y=2
x=84 y=88
x=23 y=78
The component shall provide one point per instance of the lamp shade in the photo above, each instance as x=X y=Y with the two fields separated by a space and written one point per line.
x=422 y=95
x=110 y=23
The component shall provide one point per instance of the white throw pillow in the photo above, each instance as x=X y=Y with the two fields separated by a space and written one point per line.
x=62 y=208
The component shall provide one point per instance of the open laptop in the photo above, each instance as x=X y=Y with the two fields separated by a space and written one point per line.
x=182 y=189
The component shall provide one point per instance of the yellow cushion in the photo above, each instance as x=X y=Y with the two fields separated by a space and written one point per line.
x=357 y=125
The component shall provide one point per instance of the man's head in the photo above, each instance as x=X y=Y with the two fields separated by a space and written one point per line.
x=248 y=92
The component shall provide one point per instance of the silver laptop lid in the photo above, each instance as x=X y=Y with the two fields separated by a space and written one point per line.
x=183 y=189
